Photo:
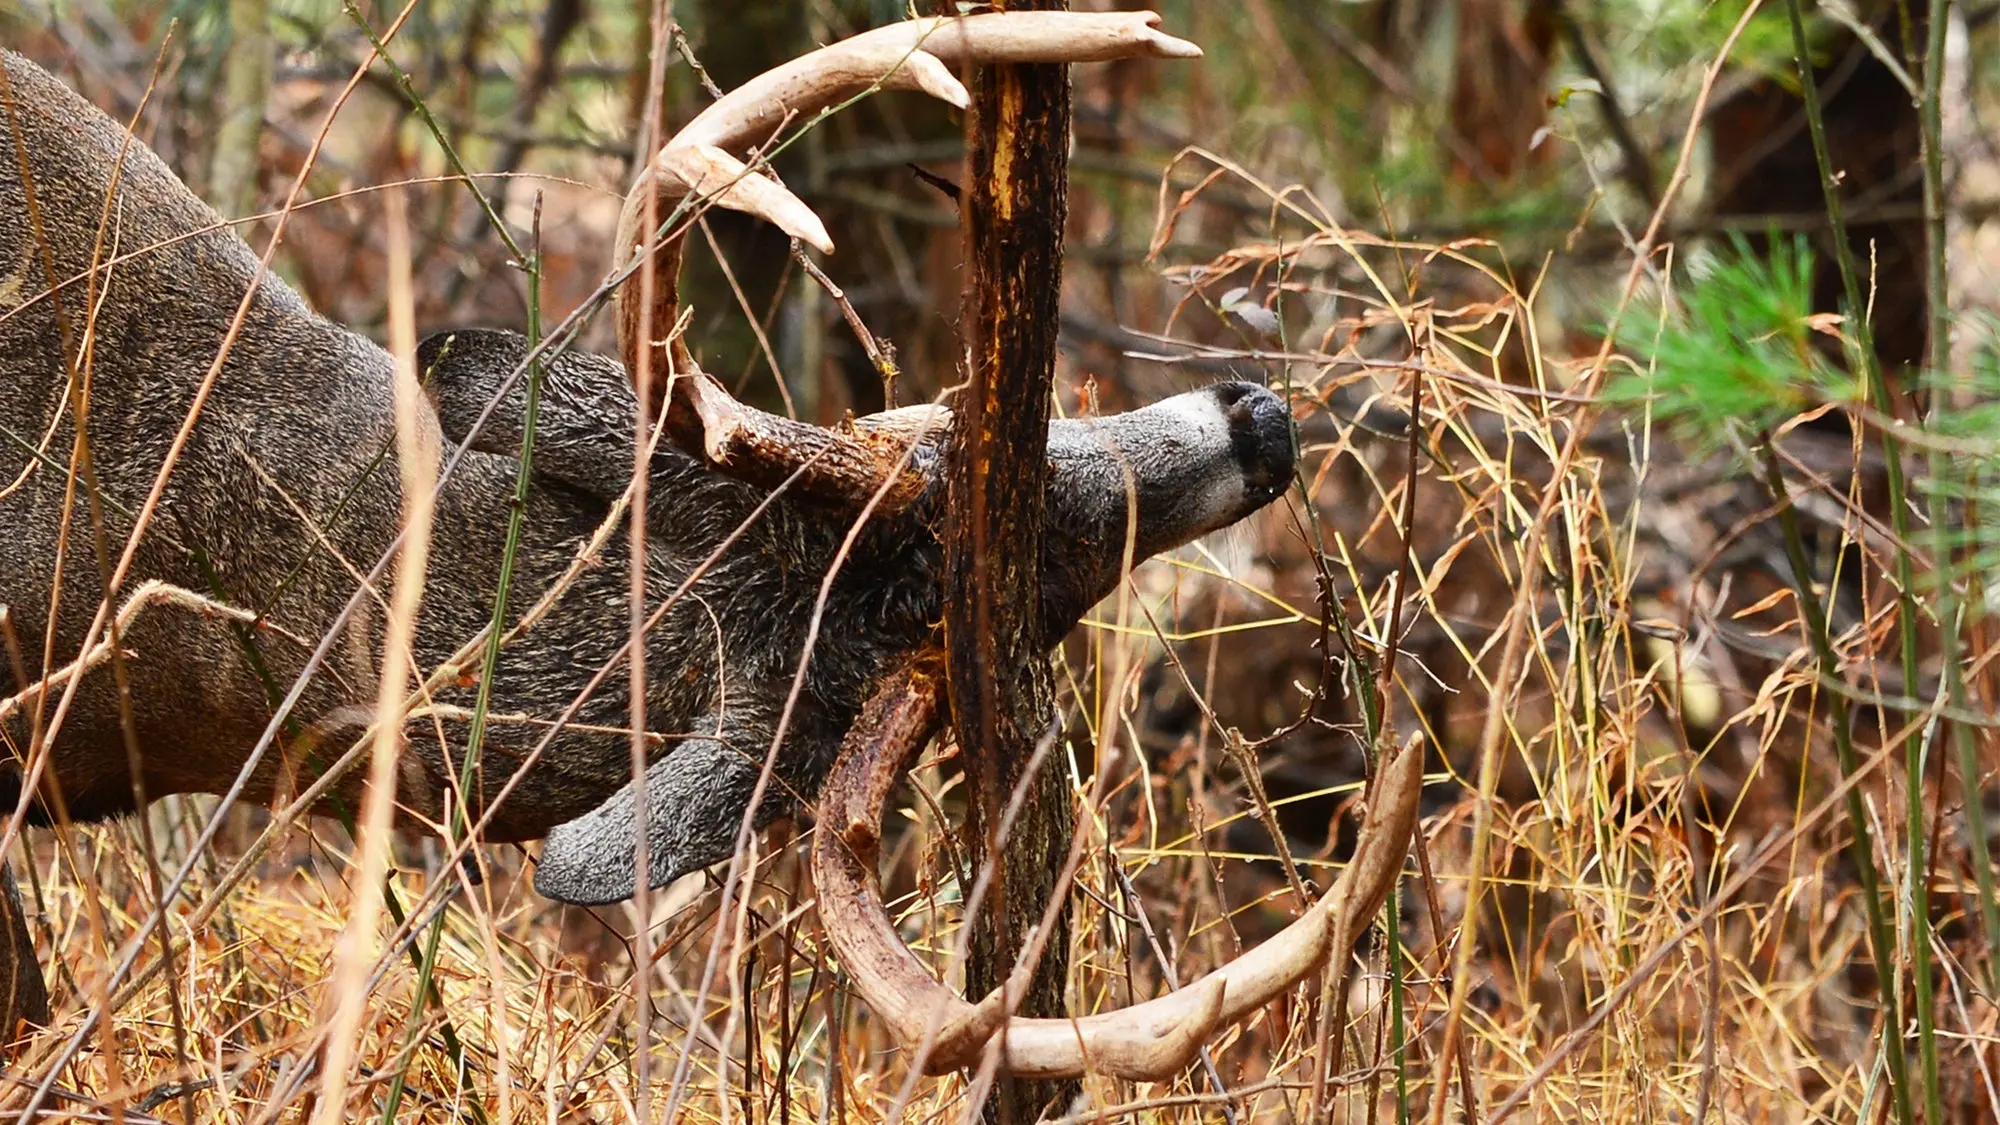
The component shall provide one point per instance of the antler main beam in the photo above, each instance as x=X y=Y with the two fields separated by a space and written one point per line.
x=842 y=466
x=1148 y=1041
x=706 y=161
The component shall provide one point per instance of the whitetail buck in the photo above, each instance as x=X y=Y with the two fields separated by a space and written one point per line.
x=246 y=619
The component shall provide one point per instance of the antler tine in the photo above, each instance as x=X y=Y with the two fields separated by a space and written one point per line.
x=1148 y=1041
x=705 y=159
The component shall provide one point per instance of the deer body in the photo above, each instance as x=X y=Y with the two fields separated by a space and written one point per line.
x=292 y=433
x=285 y=493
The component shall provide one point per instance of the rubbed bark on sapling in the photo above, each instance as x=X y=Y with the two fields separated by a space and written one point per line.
x=1001 y=686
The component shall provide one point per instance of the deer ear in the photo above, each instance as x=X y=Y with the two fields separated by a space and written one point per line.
x=589 y=861
x=695 y=797
x=462 y=371
x=583 y=426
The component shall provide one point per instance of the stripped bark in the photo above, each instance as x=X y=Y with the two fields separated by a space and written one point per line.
x=1000 y=684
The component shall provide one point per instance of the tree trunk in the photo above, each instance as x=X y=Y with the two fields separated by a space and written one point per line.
x=246 y=83
x=1001 y=687
x=736 y=43
x=23 y=996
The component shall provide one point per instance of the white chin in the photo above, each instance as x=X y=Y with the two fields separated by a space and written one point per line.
x=1219 y=504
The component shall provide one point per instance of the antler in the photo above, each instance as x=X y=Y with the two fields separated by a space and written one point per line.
x=1148 y=1041
x=706 y=160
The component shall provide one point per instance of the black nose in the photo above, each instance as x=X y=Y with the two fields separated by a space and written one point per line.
x=1260 y=434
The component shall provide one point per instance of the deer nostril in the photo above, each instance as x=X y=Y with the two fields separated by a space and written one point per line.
x=1232 y=393
x=1260 y=435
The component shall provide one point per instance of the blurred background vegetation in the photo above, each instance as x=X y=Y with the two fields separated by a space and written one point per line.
x=1423 y=218
x=1547 y=127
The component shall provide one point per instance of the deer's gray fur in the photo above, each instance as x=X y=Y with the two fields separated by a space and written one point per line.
x=288 y=491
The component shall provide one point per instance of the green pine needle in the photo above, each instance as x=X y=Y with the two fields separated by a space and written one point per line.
x=1740 y=349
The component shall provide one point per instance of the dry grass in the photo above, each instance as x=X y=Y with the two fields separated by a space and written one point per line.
x=1599 y=875
x=1664 y=916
